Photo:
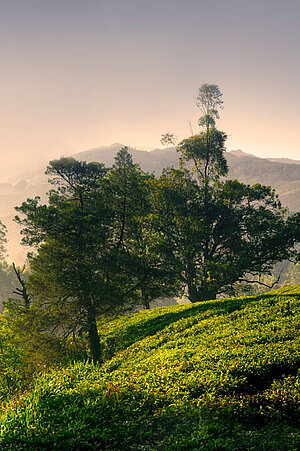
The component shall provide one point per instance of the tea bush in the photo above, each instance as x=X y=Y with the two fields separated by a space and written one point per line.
x=216 y=375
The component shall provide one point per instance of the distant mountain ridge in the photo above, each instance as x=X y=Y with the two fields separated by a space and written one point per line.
x=150 y=161
x=284 y=160
x=284 y=177
x=281 y=175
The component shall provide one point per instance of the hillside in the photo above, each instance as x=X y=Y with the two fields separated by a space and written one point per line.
x=216 y=375
x=284 y=177
x=284 y=160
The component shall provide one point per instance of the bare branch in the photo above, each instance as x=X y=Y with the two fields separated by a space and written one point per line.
x=262 y=283
x=22 y=291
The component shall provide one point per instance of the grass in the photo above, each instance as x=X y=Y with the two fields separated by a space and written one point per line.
x=216 y=375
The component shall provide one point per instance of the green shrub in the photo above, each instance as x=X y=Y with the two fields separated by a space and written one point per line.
x=217 y=375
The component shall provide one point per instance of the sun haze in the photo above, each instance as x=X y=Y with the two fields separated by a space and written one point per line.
x=82 y=73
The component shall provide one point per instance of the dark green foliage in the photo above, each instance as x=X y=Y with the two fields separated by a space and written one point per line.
x=220 y=234
x=213 y=375
x=95 y=251
x=75 y=177
x=130 y=199
x=206 y=152
x=75 y=273
x=209 y=101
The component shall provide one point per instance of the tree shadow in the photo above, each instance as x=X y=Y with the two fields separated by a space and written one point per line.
x=151 y=326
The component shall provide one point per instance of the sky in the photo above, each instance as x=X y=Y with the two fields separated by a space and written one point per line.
x=78 y=74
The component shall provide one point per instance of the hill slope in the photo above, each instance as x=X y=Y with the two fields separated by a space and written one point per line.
x=213 y=375
x=284 y=177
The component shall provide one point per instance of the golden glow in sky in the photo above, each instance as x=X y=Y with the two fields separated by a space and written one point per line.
x=79 y=74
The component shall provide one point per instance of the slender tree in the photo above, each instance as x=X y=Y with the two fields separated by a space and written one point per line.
x=130 y=188
x=3 y=241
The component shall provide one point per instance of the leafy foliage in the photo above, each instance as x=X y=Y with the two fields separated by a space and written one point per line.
x=209 y=101
x=207 y=164
x=184 y=377
x=130 y=199
x=75 y=270
x=216 y=238
x=219 y=232
x=95 y=251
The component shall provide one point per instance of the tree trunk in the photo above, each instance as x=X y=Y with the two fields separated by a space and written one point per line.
x=193 y=292
x=145 y=298
x=94 y=340
x=22 y=291
x=207 y=295
x=146 y=304
x=202 y=294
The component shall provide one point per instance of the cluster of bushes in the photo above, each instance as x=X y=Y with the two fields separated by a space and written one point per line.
x=212 y=375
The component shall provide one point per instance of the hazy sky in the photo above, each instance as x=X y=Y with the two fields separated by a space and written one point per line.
x=77 y=74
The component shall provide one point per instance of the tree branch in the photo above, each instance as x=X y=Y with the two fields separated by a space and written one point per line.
x=21 y=292
x=261 y=283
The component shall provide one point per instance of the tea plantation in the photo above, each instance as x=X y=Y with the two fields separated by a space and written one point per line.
x=216 y=375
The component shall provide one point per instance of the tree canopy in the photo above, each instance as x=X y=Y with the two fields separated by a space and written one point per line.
x=219 y=232
x=95 y=252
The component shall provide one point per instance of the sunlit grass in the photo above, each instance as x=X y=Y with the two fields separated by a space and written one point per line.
x=213 y=375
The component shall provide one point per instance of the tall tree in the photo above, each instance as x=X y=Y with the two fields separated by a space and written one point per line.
x=209 y=101
x=148 y=276
x=3 y=241
x=242 y=231
x=75 y=276
x=218 y=232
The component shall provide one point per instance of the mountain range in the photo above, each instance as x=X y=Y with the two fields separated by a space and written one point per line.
x=281 y=173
